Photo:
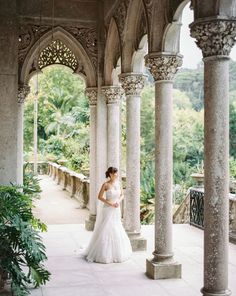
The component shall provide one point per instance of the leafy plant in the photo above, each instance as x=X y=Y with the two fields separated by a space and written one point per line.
x=31 y=185
x=147 y=207
x=22 y=251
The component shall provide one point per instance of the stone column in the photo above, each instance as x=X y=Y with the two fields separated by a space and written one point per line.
x=216 y=38
x=113 y=96
x=8 y=92
x=23 y=91
x=133 y=84
x=163 y=67
x=91 y=93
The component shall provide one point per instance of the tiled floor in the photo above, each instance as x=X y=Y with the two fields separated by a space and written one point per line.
x=73 y=276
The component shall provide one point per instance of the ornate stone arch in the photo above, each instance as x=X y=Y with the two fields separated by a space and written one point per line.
x=112 y=51
x=171 y=36
x=72 y=47
x=138 y=65
x=134 y=30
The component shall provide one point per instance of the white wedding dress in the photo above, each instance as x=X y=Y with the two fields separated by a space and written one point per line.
x=109 y=242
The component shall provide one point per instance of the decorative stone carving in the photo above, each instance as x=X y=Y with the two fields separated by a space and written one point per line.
x=214 y=38
x=132 y=83
x=91 y=94
x=163 y=66
x=23 y=91
x=30 y=34
x=120 y=17
x=142 y=29
x=88 y=38
x=148 y=5
x=113 y=94
x=58 y=53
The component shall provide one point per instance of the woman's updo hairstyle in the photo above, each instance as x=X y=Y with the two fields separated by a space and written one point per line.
x=111 y=170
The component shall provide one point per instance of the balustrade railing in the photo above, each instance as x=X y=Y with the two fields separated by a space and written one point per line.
x=196 y=204
x=197 y=208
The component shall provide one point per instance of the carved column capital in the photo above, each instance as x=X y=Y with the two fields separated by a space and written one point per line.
x=132 y=83
x=163 y=66
x=91 y=93
x=215 y=37
x=113 y=94
x=23 y=91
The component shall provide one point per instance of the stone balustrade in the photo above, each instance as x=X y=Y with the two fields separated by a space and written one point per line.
x=76 y=184
x=42 y=167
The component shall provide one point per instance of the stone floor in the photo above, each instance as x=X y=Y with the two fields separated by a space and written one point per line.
x=73 y=276
x=56 y=206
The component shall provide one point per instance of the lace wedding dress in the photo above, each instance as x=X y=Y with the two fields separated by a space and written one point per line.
x=109 y=242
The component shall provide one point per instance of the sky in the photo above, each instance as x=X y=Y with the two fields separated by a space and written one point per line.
x=192 y=54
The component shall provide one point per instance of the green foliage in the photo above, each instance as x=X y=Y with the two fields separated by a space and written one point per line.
x=148 y=120
x=232 y=167
x=77 y=150
x=31 y=185
x=147 y=194
x=21 y=249
x=62 y=111
x=188 y=136
x=55 y=145
x=190 y=82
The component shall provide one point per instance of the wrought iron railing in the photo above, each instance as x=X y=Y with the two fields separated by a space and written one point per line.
x=197 y=208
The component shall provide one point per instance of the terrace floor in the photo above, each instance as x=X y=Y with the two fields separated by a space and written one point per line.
x=73 y=276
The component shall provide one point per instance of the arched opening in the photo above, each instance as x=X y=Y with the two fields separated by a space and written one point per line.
x=57 y=95
x=58 y=69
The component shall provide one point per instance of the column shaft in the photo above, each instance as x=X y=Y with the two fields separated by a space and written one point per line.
x=113 y=97
x=133 y=84
x=20 y=136
x=216 y=158
x=132 y=203
x=163 y=170
x=216 y=37
x=8 y=94
x=163 y=66
x=113 y=144
x=91 y=93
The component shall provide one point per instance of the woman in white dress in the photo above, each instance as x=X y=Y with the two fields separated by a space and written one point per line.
x=109 y=242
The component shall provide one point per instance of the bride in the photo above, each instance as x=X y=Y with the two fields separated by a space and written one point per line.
x=109 y=242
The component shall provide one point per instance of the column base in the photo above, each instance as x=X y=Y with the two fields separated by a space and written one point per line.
x=160 y=270
x=138 y=243
x=90 y=222
x=215 y=293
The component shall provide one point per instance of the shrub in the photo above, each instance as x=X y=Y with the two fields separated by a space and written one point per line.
x=21 y=249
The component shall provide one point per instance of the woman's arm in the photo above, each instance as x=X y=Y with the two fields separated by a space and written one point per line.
x=101 y=197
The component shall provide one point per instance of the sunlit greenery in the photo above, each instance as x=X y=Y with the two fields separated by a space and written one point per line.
x=63 y=127
x=63 y=118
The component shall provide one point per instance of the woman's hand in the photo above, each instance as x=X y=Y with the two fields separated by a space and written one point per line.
x=116 y=204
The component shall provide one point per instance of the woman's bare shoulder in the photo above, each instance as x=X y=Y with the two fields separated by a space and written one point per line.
x=105 y=185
